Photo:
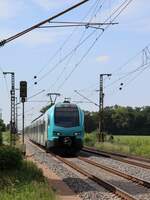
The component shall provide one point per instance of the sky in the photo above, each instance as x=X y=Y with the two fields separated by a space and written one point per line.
x=68 y=59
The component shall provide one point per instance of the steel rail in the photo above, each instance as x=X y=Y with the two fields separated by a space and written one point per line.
x=110 y=187
x=138 y=158
x=120 y=193
x=115 y=157
x=119 y=173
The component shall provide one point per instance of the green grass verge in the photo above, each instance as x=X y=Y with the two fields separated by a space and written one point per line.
x=6 y=137
x=25 y=183
x=134 y=145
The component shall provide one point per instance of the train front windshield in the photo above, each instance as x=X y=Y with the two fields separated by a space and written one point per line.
x=67 y=116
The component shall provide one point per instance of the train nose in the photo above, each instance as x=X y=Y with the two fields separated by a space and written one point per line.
x=67 y=141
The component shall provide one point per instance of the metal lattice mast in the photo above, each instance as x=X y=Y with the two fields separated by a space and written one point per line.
x=101 y=108
x=12 y=113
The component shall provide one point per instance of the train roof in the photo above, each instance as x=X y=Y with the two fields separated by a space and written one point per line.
x=66 y=105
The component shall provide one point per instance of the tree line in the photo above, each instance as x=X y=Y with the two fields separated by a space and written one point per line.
x=120 y=120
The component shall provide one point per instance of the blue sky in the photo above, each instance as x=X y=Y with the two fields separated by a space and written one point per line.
x=26 y=56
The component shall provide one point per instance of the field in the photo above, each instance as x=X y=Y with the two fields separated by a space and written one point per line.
x=135 y=145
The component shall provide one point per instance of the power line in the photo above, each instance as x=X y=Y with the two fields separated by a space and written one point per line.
x=89 y=100
x=3 y=42
x=74 y=50
x=121 y=8
x=66 y=56
x=63 y=44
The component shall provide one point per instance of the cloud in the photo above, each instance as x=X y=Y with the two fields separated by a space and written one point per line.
x=10 y=8
x=103 y=58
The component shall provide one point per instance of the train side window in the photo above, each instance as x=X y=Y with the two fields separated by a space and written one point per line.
x=48 y=121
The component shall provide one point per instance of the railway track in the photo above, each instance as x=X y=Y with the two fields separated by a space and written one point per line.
x=102 y=182
x=119 y=173
x=138 y=158
x=120 y=193
x=119 y=157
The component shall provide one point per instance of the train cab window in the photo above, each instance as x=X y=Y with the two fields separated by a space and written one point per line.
x=66 y=116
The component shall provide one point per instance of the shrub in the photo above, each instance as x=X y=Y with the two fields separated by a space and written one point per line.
x=90 y=139
x=1 y=139
x=10 y=158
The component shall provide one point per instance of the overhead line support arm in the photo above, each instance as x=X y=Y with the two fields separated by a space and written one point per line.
x=3 y=42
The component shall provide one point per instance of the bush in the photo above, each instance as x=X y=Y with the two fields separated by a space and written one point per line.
x=90 y=139
x=10 y=158
x=1 y=139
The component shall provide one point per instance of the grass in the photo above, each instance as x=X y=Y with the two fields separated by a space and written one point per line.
x=134 y=145
x=6 y=137
x=23 y=184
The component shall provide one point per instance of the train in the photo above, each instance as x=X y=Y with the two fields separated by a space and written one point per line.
x=60 y=128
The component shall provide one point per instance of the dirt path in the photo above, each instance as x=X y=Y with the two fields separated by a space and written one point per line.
x=63 y=192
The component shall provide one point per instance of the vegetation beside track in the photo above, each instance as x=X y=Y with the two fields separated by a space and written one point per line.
x=133 y=145
x=24 y=183
x=6 y=137
x=21 y=179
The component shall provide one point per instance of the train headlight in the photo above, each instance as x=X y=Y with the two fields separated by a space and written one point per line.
x=76 y=134
x=58 y=134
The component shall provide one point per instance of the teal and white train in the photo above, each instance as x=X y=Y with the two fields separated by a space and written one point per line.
x=61 y=127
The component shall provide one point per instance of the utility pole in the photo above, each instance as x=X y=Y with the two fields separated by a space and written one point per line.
x=101 y=108
x=16 y=115
x=12 y=114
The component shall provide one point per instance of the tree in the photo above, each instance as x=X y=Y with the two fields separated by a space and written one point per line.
x=89 y=122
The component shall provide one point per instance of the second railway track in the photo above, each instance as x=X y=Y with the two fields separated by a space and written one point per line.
x=129 y=160
x=98 y=177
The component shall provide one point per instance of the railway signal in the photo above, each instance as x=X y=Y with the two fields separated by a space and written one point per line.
x=23 y=96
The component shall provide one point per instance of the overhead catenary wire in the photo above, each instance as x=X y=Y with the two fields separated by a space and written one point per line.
x=97 y=9
x=129 y=81
x=63 y=44
x=89 y=100
x=121 y=8
x=3 y=42
x=65 y=57
x=127 y=74
x=93 y=7
x=119 y=68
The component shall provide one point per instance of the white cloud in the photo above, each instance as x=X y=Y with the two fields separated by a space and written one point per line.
x=10 y=8
x=103 y=58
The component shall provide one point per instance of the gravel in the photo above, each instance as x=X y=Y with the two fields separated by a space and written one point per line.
x=135 y=190
x=84 y=187
x=136 y=171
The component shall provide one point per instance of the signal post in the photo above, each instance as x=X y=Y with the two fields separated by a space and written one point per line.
x=23 y=96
